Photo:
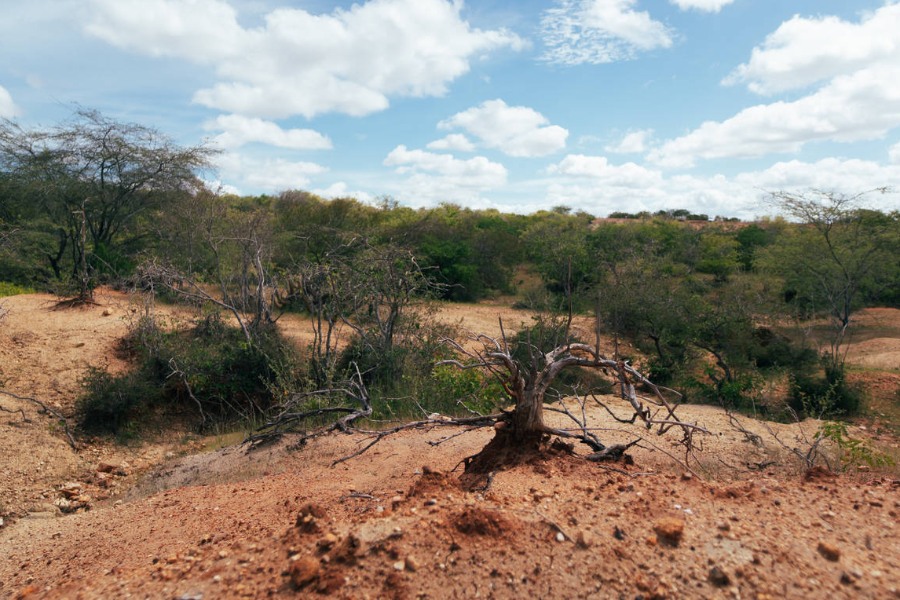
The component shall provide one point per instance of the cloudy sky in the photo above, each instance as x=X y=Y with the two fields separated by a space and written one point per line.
x=599 y=105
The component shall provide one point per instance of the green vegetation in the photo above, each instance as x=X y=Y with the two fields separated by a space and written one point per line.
x=712 y=307
x=12 y=289
x=207 y=375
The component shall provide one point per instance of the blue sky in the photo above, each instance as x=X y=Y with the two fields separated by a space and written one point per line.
x=600 y=105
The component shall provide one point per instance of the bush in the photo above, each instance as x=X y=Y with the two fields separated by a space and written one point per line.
x=12 y=289
x=112 y=404
x=828 y=396
x=210 y=368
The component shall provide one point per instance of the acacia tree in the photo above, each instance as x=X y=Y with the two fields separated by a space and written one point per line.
x=92 y=177
x=838 y=253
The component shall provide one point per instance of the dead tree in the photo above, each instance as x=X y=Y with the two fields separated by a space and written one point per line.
x=519 y=430
x=527 y=383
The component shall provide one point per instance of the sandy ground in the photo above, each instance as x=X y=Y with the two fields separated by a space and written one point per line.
x=399 y=522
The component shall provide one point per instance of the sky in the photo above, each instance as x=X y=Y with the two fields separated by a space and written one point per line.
x=518 y=105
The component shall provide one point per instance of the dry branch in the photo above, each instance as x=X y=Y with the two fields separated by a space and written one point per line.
x=46 y=409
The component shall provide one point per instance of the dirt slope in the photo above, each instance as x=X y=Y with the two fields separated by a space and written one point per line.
x=274 y=523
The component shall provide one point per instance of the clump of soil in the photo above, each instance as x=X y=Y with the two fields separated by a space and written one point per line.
x=477 y=521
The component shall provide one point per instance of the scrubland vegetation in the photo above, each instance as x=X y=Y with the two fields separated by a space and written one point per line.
x=751 y=316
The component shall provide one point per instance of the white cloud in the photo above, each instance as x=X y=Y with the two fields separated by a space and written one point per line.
x=514 y=130
x=433 y=178
x=267 y=174
x=803 y=51
x=238 y=130
x=340 y=189
x=633 y=142
x=8 y=108
x=849 y=176
x=454 y=141
x=861 y=106
x=628 y=175
x=599 y=31
x=591 y=184
x=894 y=153
x=702 y=5
x=350 y=61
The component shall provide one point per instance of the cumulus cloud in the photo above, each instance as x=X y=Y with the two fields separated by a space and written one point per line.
x=454 y=141
x=432 y=177
x=514 y=130
x=600 y=31
x=8 y=108
x=632 y=143
x=858 y=95
x=298 y=63
x=794 y=56
x=590 y=183
x=863 y=105
x=340 y=189
x=894 y=154
x=267 y=174
x=628 y=175
x=702 y=5
x=238 y=130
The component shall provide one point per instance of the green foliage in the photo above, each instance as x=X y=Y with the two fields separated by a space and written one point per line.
x=814 y=395
x=12 y=289
x=113 y=404
x=718 y=255
x=739 y=392
x=851 y=451
x=209 y=367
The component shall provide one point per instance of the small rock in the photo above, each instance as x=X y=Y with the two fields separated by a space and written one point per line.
x=560 y=537
x=303 y=571
x=70 y=489
x=412 y=564
x=718 y=577
x=431 y=502
x=584 y=539
x=107 y=312
x=723 y=526
x=829 y=551
x=847 y=578
x=400 y=565
x=669 y=530
x=105 y=467
x=396 y=501
x=686 y=476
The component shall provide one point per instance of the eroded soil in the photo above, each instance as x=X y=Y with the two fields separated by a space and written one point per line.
x=744 y=521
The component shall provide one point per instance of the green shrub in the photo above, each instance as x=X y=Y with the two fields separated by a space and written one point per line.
x=112 y=404
x=12 y=289
x=209 y=372
x=824 y=396
x=851 y=451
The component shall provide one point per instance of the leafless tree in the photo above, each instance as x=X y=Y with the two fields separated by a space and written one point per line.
x=526 y=382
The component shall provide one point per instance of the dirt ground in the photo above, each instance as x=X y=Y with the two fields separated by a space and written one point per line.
x=165 y=519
